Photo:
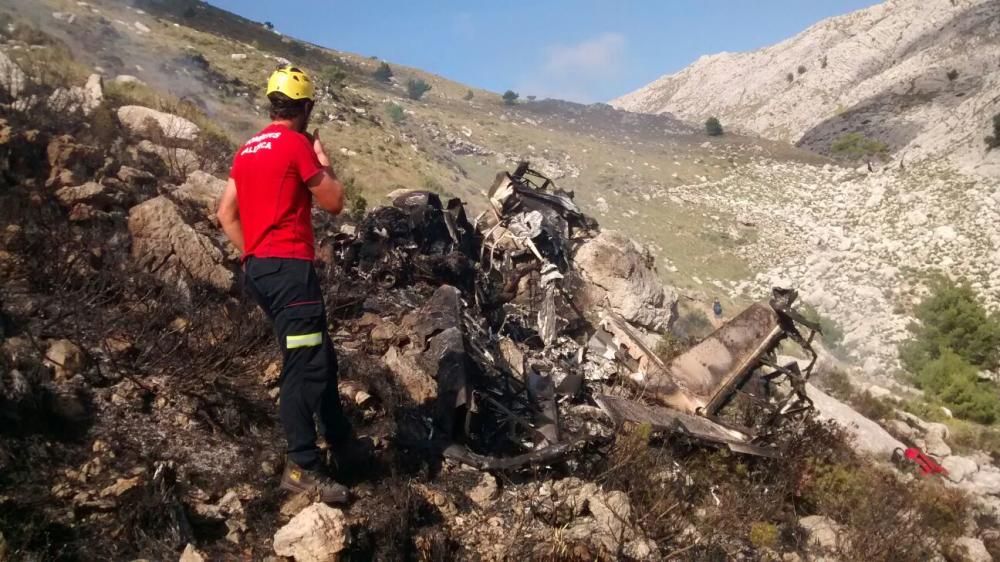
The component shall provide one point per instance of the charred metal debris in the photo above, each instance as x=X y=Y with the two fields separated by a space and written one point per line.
x=513 y=368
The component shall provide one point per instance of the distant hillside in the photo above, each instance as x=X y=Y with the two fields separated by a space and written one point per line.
x=920 y=75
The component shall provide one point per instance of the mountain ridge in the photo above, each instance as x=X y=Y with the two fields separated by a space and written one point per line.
x=915 y=75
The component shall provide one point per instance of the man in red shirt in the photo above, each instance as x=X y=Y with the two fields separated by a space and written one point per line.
x=265 y=211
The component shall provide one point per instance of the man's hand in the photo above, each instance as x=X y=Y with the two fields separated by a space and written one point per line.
x=324 y=160
x=229 y=215
x=327 y=190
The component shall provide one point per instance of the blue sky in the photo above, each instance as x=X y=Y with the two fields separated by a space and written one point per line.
x=582 y=50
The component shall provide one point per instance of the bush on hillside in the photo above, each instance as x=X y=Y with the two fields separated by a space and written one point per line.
x=955 y=382
x=356 y=202
x=415 y=89
x=712 y=127
x=802 y=69
x=333 y=76
x=856 y=146
x=954 y=339
x=510 y=97
x=952 y=75
x=395 y=113
x=790 y=77
x=993 y=141
x=952 y=318
x=468 y=96
x=383 y=73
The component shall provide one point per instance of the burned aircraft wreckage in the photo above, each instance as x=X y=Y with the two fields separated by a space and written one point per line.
x=523 y=371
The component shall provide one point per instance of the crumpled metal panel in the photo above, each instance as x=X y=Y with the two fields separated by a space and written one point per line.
x=717 y=365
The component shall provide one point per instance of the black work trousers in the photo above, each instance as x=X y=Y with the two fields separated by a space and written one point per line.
x=289 y=292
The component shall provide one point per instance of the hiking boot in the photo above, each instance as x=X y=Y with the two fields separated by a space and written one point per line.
x=314 y=484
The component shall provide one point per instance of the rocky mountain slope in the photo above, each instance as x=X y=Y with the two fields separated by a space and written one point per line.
x=919 y=75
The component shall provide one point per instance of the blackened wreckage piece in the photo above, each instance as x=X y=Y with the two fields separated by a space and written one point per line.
x=508 y=348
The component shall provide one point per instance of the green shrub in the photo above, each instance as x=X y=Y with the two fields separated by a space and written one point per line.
x=510 y=97
x=855 y=146
x=993 y=141
x=468 y=96
x=333 y=76
x=668 y=347
x=356 y=202
x=383 y=73
x=952 y=75
x=868 y=500
x=692 y=326
x=712 y=127
x=432 y=184
x=415 y=89
x=764 y=535
x=952 y=317
x=395 y=112
x=969 y=436
x=955 y=382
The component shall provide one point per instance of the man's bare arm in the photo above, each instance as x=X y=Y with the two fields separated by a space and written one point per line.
x=229 y=215
x=326 y=188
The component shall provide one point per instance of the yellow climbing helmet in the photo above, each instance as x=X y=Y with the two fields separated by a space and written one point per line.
x=292 y=82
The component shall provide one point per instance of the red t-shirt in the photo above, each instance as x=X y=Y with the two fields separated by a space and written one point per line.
x=271 y=171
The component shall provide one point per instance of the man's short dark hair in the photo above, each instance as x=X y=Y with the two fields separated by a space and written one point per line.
x=284 y=107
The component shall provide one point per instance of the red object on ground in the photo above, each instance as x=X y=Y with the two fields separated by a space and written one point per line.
x=271 y=171
x=928 y=466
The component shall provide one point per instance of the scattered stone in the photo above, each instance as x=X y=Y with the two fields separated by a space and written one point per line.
x=180 y=161
x=438 y=499
x=121 y=487
x=238 y=56
x=191 y=554
x=617 y=276
x=136 y=119
x=141 y=27
x=128 y=79
x=876 y=391
x=65 y=358
x=66 y=17
x=869 y=437
x=134 y=177
x=821 y=532
x=89 y=192
x=419 y=385
x=484 y=492
x=317 y=534
x=985 y=481
x=934 y=440
x=202 y=191
x=230 y=504
x=353 y=391
x=93 y=92
x=272 y=374
x=294 y=505
x=972 y=550
x=170 y=248
x=71 y=163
